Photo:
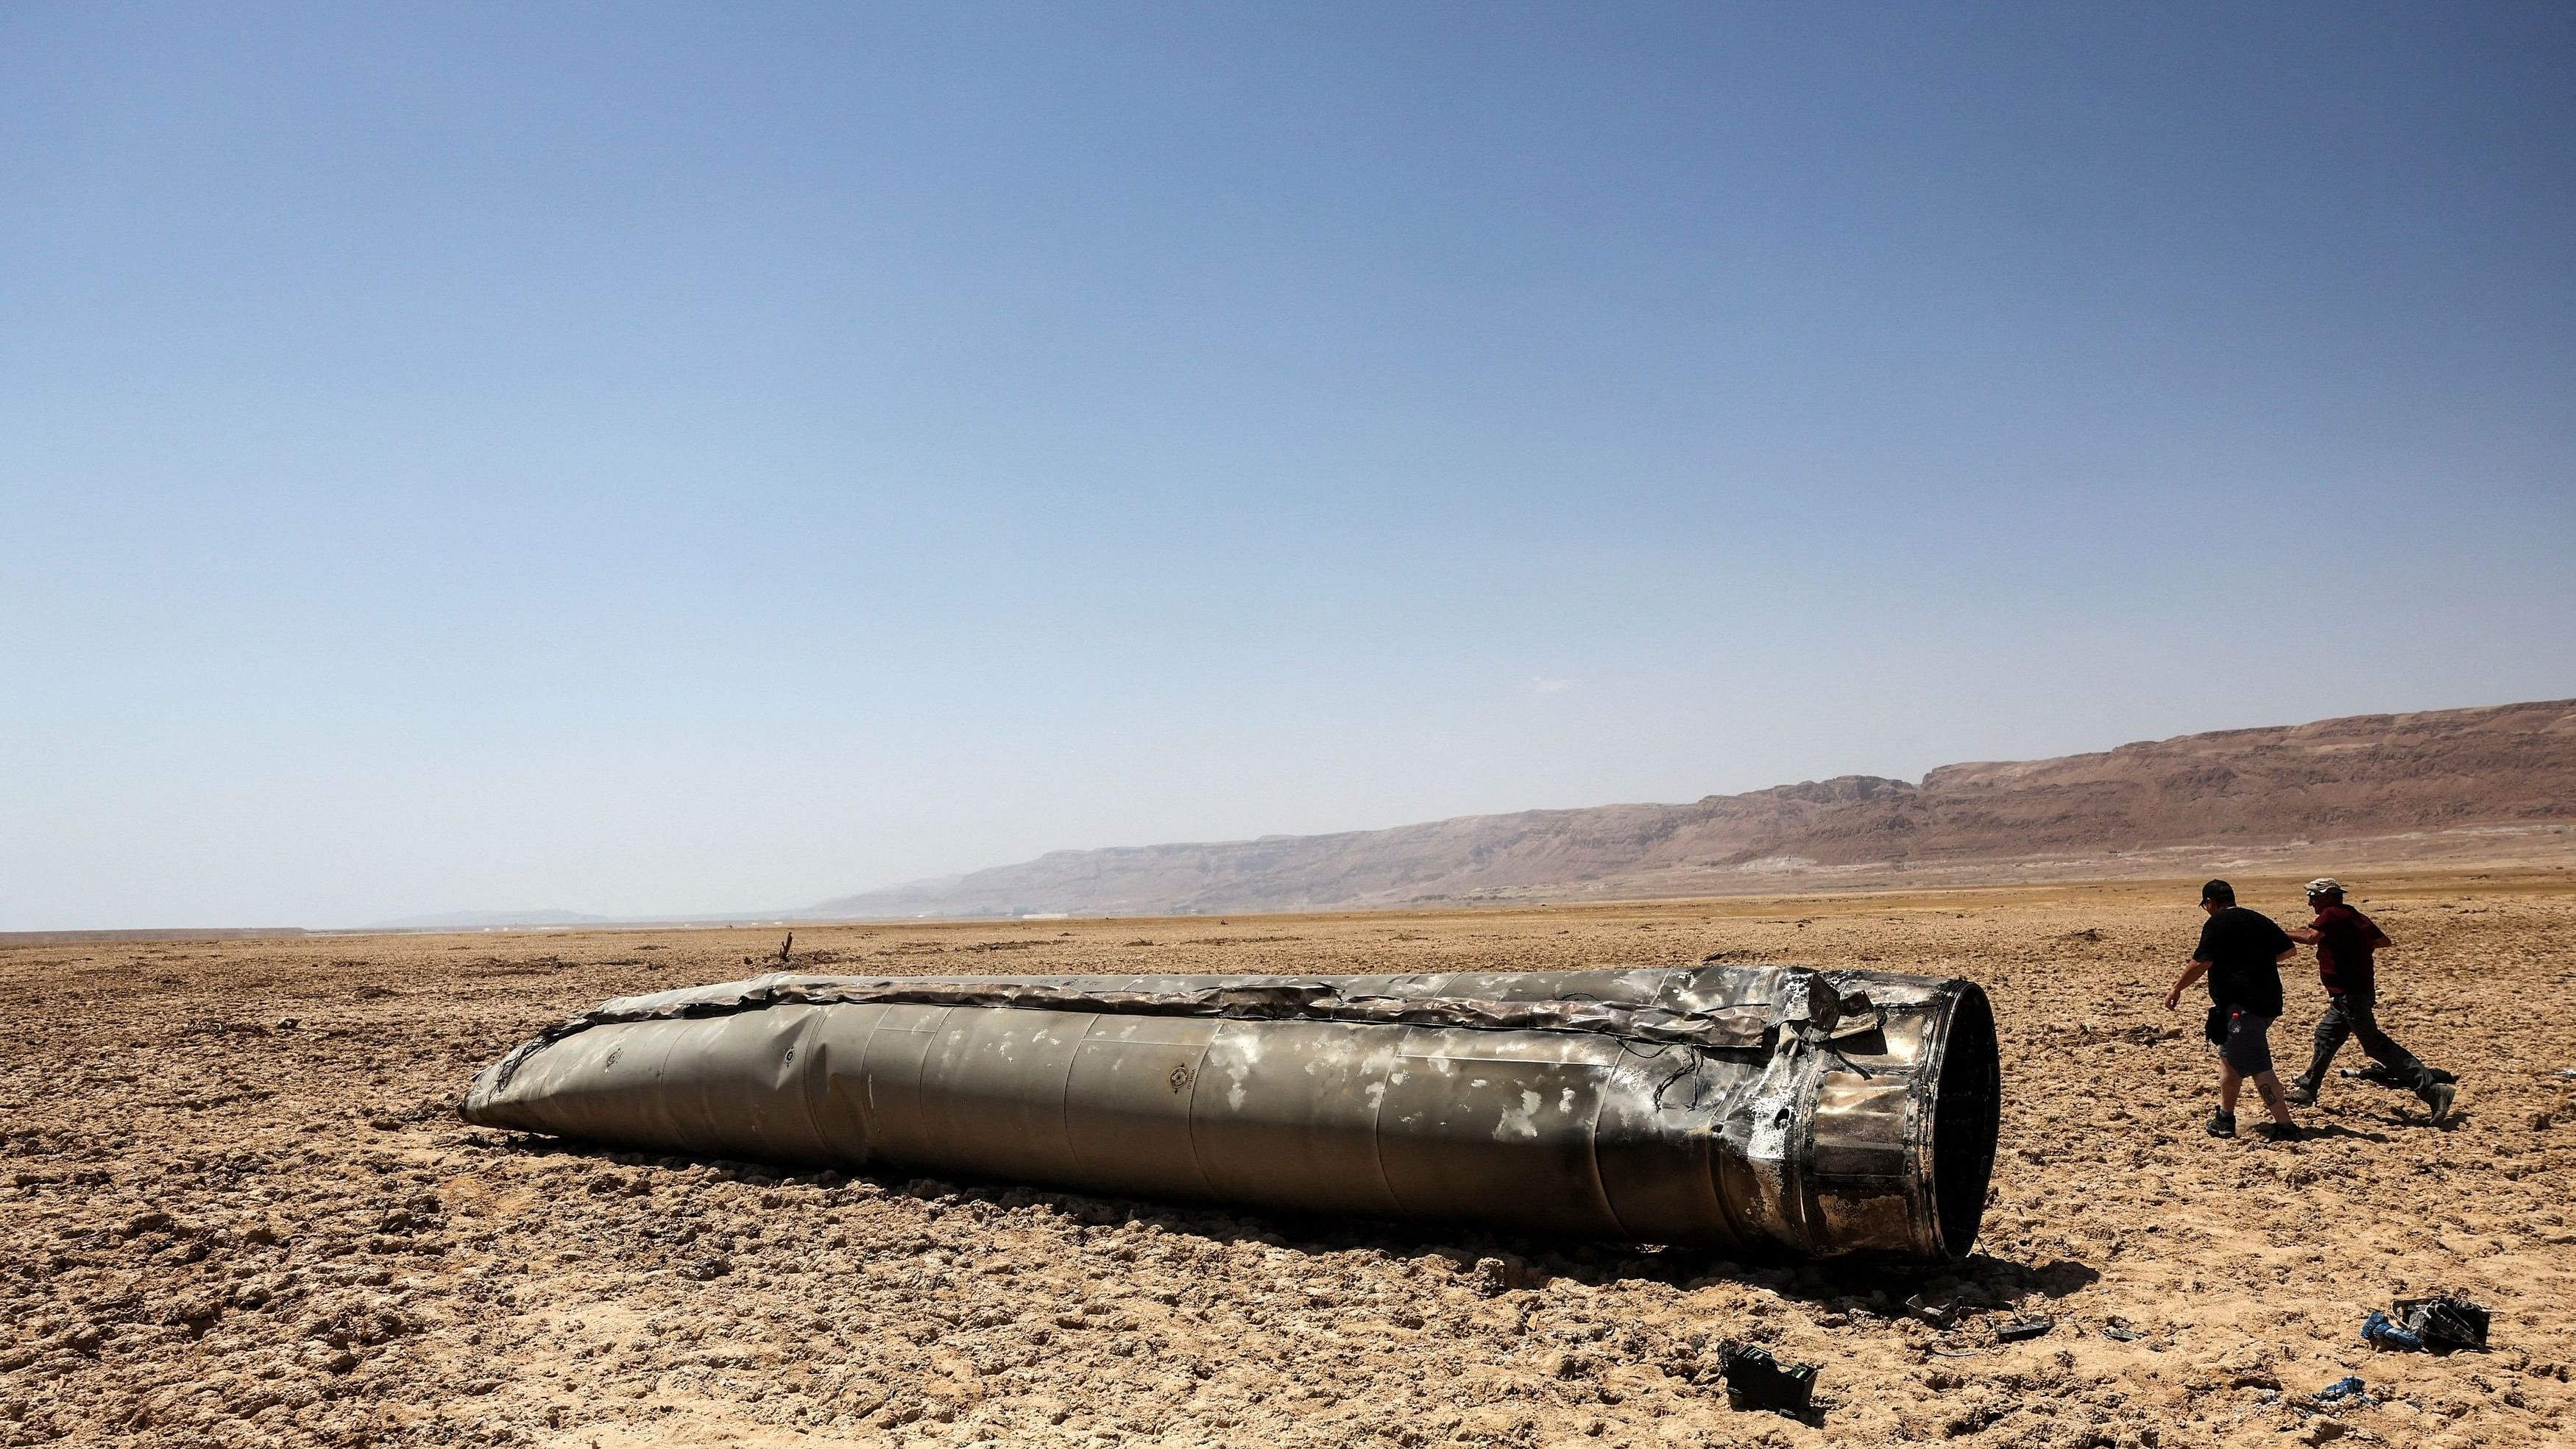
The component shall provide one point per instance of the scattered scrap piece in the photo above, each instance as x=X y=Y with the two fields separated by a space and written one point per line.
x=2442 y=1323
x=2382 y=1332
x=2024 y=1328
x=1756 y=1380
x=2445 y=1322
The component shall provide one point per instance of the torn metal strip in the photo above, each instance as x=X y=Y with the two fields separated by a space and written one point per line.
x=1744 y=1027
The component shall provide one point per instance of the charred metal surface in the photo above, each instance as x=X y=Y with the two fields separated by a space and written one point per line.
x=1753 y=1108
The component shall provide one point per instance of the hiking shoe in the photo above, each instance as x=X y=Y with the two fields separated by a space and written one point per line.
x=2222 y=1124
x=2439 y=1097
x=2299 y=1093
x=2280 y=1131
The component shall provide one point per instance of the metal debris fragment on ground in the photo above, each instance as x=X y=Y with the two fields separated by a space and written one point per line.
x=2446 y=1322
x=2382 y=1332
x=1756 y=1380
x=2024 y=1328
x=2442 y=1323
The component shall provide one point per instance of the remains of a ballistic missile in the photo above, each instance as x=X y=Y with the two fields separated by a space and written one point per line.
x=1763 y=1110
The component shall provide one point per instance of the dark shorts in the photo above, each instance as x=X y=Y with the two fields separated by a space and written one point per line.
x=2248 y=1047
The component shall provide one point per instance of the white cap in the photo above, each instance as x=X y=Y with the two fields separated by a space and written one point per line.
x=2324 y=885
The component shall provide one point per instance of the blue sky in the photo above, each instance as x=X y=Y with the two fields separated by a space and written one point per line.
x=650 y=460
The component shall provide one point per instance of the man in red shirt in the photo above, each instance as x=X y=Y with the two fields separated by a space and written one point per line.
x=2346 y=940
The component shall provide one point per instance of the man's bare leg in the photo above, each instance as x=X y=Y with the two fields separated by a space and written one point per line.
x=2269 y=1085
x=2228 y=1082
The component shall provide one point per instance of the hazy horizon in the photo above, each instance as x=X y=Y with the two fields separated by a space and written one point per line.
x=790 y=913
x=655 y=461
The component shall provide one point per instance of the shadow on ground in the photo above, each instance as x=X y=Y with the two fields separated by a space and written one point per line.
x=1498 y=1262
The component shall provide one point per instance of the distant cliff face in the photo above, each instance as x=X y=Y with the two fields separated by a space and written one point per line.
x=2369 y=775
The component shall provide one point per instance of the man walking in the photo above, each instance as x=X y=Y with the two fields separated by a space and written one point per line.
x=2241 y=951
x=2346 y=940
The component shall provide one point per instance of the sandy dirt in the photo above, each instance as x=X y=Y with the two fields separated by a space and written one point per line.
x=236 y=1208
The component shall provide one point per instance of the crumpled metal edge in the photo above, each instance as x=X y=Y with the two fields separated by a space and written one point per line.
x=1749 y=1027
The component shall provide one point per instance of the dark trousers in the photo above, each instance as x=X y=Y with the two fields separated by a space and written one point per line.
x=2349 y=1015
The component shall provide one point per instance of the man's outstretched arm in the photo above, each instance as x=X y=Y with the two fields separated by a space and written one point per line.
x=2182 y=983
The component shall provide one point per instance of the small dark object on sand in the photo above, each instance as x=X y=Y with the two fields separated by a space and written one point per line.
x=1756 y=1380
x=1940 y=1314
x=2022 y=1328
x=2122 y=1332
x=2380 y=1332
x=2349 y=1387
x=2445 y=1322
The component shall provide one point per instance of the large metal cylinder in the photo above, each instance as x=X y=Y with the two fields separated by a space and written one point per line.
x=1763 y=1110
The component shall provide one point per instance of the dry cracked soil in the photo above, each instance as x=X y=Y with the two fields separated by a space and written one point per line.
x=237 y=1208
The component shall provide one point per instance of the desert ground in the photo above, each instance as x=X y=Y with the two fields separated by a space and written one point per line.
x=237 y=1208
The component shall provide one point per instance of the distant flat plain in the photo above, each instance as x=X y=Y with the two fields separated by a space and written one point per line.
x=236 y=1208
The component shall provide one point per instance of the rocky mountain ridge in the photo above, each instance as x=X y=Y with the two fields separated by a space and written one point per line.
x=2440 y=771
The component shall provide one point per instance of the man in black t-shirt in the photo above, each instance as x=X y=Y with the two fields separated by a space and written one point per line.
x=2241 y=951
